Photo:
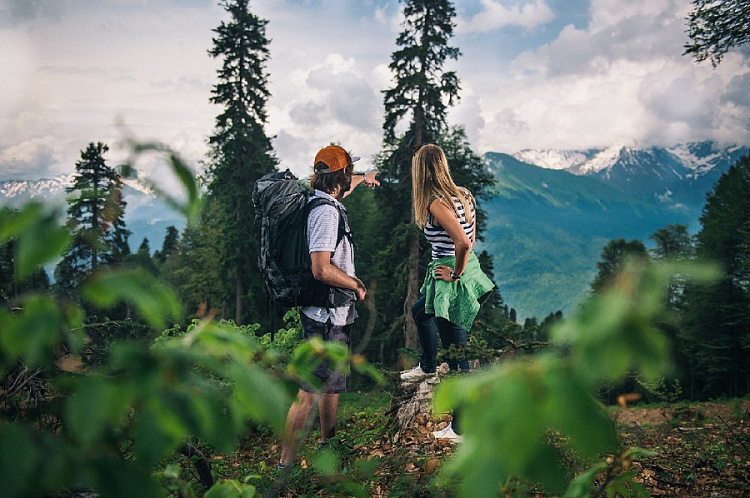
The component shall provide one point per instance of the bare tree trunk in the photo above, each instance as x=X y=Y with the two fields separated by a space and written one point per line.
x=412 y=291
x=201 y=464
x=412 y=282
x=238 y=277
x=238 y=291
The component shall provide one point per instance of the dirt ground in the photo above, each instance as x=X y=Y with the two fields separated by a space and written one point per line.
x=701 y=450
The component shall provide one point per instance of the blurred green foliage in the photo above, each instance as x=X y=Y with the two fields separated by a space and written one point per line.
x=113 y=423
x=508 y=412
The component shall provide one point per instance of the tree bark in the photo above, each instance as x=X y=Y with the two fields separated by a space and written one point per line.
x=412 y=282
x=412 y=291
x=200 y=463
x=238 y=291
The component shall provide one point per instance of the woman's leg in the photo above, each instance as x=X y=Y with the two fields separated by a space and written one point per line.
x=427 y=335
x=450 y=333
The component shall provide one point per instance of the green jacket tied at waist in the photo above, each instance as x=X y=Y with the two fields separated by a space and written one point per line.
x=459 y=301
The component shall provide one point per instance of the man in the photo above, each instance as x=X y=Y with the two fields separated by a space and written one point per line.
x=332 y=264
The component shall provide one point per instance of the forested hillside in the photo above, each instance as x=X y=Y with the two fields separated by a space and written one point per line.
x=546 y=229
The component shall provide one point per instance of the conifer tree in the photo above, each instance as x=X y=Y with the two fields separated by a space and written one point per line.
x=95 y=215
x=673 y=242
x=715 y=27
x=169 y=246
x=241 y=152
x=614 y=255
x=718 y=318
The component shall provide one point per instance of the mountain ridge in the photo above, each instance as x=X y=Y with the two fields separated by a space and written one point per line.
x=146 y=216
x=546 y=222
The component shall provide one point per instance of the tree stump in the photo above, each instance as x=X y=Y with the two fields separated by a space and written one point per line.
x=412 y=404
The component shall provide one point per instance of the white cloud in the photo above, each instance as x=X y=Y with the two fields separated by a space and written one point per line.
x=72 y=69
x=620 y=79
x=495 y=15
x=332 y=101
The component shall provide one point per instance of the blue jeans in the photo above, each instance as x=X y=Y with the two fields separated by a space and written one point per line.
x=428 y=327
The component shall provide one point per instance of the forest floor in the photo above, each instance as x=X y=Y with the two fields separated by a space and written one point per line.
x=699 y=450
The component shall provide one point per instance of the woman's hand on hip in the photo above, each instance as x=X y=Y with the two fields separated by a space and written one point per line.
x=443 y=272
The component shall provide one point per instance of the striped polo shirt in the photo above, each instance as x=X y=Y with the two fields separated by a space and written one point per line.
x=441 y=242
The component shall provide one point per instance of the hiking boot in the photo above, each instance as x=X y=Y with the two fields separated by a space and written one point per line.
x=448 y=433
x=416 y=374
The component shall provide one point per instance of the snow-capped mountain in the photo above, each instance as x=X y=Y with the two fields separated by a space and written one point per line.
x=146 y=216
x=680 y=174
x=552 y=211
x=15 y=192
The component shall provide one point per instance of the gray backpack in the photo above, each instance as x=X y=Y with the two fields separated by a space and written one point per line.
x=281 y=208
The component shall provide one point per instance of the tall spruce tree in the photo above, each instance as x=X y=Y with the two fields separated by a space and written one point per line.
x=241 y=152
x=718 y=318
x=95 y=215
x=169 y=246
x=422 y=92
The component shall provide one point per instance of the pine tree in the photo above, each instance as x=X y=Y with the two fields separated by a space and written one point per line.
x=95 y=216
x=718 y=320
x=241 y=152
x=717 y=26
x=169 y=246
x=422 y=92
x=673 y=242
x=192 y=268
x=614 y=255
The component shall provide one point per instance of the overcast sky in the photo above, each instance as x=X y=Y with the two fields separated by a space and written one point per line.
x=564 y=74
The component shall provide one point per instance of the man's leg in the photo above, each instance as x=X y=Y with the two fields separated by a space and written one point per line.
x=296 y=425
x=328 y=406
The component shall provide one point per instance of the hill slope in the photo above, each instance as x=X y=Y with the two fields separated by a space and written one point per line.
x=546 y=229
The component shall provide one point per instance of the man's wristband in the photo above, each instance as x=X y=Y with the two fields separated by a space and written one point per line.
x=454 y=276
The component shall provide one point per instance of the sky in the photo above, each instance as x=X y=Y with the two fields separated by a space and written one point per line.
x=540 y=74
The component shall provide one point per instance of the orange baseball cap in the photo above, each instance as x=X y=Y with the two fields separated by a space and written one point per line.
x=335 y=157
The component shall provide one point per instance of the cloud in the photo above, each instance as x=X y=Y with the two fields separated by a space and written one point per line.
x=31 y=159
x=495 y=15
x=621 y=78
x=13 y=12
x=336 y=100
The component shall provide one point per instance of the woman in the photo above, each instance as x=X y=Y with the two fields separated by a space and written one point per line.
x=455 y=284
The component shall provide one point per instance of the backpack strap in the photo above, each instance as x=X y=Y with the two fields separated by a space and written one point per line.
x=344 y=230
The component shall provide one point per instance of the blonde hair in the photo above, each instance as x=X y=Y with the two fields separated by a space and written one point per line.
x=432 y=180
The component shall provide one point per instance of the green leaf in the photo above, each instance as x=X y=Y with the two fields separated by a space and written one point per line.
x=40 y=237
x=231 y=489
x=568 y=405
x=157 y=434
x=327 y=463
x=35 y=331
x=96 y=408
x=259 y=396
x=581 y=486
x=153 y=299
x=118 y=478
x=18 y=458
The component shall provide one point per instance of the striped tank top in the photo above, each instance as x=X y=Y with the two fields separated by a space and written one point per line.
x=441 y=242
